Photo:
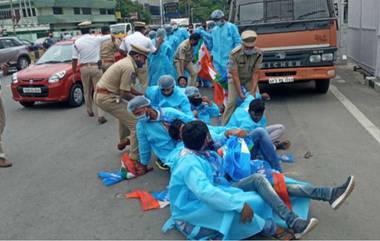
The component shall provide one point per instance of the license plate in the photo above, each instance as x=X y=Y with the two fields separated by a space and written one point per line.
x=31 y=90
x=279 y=80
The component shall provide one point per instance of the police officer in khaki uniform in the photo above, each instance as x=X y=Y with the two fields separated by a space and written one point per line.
x=183 y=58
x=3 y=160
x=116 y=88
x=108 y=50
x=243 y=65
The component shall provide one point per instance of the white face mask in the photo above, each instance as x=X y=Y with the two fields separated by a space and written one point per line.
x=250 y=52
x=219 y=23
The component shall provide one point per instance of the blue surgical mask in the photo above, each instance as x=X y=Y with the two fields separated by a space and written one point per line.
x=249 y=52
x=139 y=65
x=219 y=23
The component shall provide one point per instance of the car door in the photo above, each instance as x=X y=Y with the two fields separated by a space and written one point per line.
x=8 y=51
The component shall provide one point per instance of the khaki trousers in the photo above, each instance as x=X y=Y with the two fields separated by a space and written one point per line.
x=127 y=121
x=2 y=126
x=191 y=69
x=90 y=75
x=232 y=100
x=105 y=67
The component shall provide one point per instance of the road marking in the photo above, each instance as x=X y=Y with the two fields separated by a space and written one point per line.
x=359 y=116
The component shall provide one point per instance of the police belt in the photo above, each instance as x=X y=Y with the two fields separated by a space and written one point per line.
x=103 y=91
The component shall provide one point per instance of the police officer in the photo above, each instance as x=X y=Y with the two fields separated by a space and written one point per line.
x=87 y=51
x=183 y=58
x=108 y=50
x=243 y=66
x=116 y=88
x=3 y=160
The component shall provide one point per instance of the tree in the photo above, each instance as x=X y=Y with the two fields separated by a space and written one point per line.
x=128 y=7
x=200 y=10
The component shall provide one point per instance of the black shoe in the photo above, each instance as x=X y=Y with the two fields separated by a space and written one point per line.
x=302 y=227
x=340 y=194
x=161 y=165
x=102 y=120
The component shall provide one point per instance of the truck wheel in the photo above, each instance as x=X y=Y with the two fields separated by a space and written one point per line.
x=76 y=95
x=27 y=104
x=322 y=86
x=22 y=63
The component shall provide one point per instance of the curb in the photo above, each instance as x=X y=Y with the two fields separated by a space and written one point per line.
x=373 y=83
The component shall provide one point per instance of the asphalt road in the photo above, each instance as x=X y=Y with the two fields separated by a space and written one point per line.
x=52 y=190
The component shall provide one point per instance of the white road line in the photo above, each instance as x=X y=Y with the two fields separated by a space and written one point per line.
x=355 y=112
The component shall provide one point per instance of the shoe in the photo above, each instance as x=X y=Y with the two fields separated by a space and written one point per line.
x=121 y=146
x=91 y=114
x=102 y=120
x=340 y=194
x=283 y=145
x=5 y=163
x=302 y=227
x=161 y=165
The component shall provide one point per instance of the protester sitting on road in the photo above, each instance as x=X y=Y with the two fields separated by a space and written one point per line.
x=201 y=106
x=152 y=130
x=167 y=94
x=259 y=138
x=253 y=117
x=201 y=197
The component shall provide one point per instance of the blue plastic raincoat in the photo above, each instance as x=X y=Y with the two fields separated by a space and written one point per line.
x=160 y=63
x=178 y=100
x=206 y=112
x=224 y=39
x=173 y=42
x=181 y=33
x=154 y=136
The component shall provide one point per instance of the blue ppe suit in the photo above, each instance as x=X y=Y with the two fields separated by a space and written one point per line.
x=154 y=136
x=205 y=112
x=173 y=42
x=224 y=39
x=160 y=63
x=178 y=100
x=181 y=33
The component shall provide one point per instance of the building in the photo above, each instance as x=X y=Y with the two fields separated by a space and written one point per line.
x=364 y=34
x=153 y=7
x=33 y=18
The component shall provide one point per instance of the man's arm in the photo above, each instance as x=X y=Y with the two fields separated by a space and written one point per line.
x=255 y=76
x=144 y=145
x=236 y=81
x=74 y=62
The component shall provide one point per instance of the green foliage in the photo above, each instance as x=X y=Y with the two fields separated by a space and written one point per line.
x=201 y=9
x=128 y=7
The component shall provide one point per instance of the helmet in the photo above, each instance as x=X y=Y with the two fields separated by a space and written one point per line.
x=217 y=14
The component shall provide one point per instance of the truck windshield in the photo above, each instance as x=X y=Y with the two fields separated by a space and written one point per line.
x=272 y=11
x=118 y=29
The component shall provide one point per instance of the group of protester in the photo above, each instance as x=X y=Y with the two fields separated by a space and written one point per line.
x=226 y=181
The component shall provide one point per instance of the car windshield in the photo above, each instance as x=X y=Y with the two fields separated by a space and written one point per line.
x=61 y=53
x=118 y=29
x=272 y=11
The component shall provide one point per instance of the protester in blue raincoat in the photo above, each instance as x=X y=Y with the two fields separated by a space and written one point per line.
x=225 y=37
x=172 y=40
x=152 y=130
x=159 y=62
x=167 y=94
x=251 y=115
x=206 y=37
x=201 y=106
x=204 y=204
x=181 y=32
x=152 y=34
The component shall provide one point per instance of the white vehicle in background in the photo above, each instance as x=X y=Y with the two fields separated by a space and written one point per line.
x=121 y=30
x=183 y=22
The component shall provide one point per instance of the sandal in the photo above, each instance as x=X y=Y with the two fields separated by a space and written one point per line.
x=283 y=234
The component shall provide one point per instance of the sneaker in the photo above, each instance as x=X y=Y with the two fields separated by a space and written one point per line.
x=302 y=227
x=102 y=120
x=162 y=165
x=283 y=145
x=340 y=194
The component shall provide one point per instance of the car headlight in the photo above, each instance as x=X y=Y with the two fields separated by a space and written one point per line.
x=14 y=78
x=315 y=58
x=328 y=57
x=57 y=77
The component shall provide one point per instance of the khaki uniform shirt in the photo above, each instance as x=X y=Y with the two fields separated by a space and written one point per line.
x=184 y=52
x=244 y=64
x=108 y=50
x=120 y=76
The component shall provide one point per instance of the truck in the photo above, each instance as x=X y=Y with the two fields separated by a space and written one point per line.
x=121 y=30
x=298 y=38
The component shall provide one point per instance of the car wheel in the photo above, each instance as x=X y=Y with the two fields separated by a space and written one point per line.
x=27 y=104
x=23 y=63
x=322 y=86
x=76 y=95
